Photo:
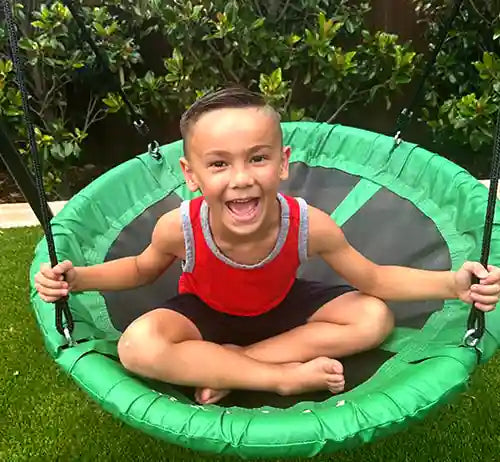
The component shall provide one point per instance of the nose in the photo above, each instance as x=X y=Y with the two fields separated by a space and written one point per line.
x=241 y=177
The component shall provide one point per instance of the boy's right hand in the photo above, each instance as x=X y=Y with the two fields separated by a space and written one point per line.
x=50 y=283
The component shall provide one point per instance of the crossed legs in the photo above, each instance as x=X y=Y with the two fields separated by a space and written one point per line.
x=167 y=346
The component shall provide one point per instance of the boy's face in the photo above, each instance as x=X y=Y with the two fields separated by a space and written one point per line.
x=236 y=159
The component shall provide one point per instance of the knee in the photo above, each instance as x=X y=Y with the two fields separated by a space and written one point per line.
x=378 y=319
x=139 y=345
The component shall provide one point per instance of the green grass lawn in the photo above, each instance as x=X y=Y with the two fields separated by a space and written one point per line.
x=44 y=416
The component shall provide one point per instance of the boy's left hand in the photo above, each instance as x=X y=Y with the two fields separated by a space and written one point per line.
x=484 y=295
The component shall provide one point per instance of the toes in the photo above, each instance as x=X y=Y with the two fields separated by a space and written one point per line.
x=333 y=367
x=217 y=395
x=197 y=395
x=336 y=388
x=202 y=395
x=338 y=367
x=335 y=379
x=209 y=395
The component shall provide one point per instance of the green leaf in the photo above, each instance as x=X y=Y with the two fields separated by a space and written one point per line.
x=149 y=78
x=68 y=149
x=297 y=114
x=488 y=59
x=293 y=39
x=171 y=78
x=349 y=26
x=276 y=77
x=5 y=66
x=257 y=24
x=401 y=79
x=321 y=21
x=100 y=29
x=38 y=24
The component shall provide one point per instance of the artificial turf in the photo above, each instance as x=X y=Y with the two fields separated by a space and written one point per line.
x=45 y=416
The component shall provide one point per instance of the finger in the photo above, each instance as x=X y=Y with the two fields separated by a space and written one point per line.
x=491 y=289
x=493 y=277
x=48 y=299
x=484 y=299
x=476 y=268
x=484 y=307
x=50 y=283
x=47 y=271
x=52 y=292
x=62 y=267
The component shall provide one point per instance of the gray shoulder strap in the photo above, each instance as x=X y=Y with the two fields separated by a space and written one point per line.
x=187 y=229
x=303 y=229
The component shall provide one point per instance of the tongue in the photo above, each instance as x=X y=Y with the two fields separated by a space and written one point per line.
x=242 y=208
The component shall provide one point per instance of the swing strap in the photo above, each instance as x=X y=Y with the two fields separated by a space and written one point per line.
x=62 y=307
x=103 y=61
x=406 y=113
x=19 y=171
x=475 y=322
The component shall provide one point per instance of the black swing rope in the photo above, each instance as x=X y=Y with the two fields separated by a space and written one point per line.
x=476 y=319
x=45 y=214
x=101 y=57
x=406 y=114
x=475 y=322
x=32 y=185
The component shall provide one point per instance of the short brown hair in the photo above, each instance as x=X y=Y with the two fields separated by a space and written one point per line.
x=230 y=97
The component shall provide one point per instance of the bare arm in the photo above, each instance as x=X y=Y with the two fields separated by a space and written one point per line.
x=166 y=245
x=386 y=282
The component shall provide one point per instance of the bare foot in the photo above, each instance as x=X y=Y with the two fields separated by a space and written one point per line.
x=205 y=395
x=209 y=395
x=318 y=374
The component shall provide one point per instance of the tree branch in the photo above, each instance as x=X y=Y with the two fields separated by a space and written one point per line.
x=344 y=104
x=90 y=118
x=283 y=11
x=221 y=59
x=481 y=15
x=289 y=99
x=339 y=110
x=257 y=7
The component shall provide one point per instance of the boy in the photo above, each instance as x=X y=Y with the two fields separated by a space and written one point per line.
x=242 y=319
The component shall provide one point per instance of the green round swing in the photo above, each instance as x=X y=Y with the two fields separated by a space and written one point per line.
x=384 y=198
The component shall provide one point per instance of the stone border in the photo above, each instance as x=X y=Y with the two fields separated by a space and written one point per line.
x=20 y=214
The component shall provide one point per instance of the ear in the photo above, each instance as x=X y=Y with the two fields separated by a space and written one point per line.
x=189 y=176
x=285 y=162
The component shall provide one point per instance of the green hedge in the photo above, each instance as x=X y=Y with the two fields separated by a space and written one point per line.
x=312 y=59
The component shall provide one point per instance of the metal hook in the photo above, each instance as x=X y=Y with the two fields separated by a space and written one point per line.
x=69 y=339
x=397 y=138
x=154 y=150
x=469 y=338
x=141 y=126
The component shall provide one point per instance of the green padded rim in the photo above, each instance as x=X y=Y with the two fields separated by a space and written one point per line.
x=428 y=369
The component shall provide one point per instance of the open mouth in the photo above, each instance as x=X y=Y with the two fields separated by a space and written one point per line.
x=243 y=209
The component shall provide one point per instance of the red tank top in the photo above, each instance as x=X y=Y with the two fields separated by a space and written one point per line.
x=234 y=288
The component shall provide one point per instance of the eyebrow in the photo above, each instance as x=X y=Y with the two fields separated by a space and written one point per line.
x=253 y=149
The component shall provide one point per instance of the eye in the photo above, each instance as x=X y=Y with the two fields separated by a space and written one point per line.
x=259 y=158
x=217 y=164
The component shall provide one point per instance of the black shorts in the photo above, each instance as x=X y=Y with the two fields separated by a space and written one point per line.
x=303 y=300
